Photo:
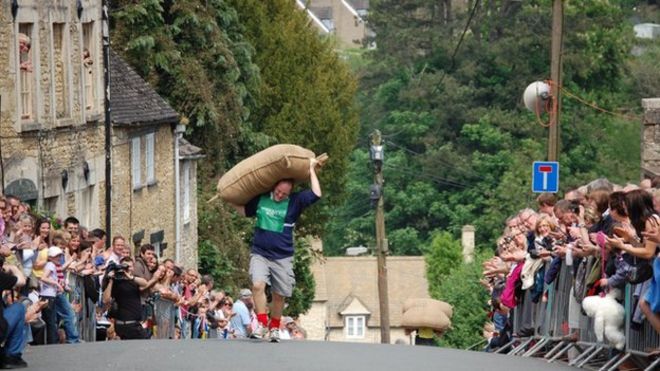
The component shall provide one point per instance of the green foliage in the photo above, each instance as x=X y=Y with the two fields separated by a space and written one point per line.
x=463 y=291
x=246 y=75
x=303 y=293
x=459 y=145
x=443 y=255
x=307 y=93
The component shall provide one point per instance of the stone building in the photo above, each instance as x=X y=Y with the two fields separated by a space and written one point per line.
x=342 y=18
x=52 y=130
x=346 y=306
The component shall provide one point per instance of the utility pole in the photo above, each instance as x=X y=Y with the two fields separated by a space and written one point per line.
x=376 y=153
x=555 y=76
x=108 y=124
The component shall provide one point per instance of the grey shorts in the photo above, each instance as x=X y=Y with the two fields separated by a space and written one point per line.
x=276 y=273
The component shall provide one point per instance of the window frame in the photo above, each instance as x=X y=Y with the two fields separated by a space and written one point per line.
x=90 y=79
x=25 y=77
x=150 y=158
x=64 y=39
x=356 y=326
x=185 y=186
x=136 y=163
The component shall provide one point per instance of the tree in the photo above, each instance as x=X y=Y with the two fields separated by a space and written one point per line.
x=307 y=94
x=463 y=291
x=459 y=145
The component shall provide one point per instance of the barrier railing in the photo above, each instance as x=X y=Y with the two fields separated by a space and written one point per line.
x=550 y=321
x=83 y=306
x=164 y=312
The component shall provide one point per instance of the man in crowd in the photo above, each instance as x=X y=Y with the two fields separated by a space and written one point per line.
x=12 y=318
x=242 y=307
x=121 y=285
x=271 y=259
x=72 y=225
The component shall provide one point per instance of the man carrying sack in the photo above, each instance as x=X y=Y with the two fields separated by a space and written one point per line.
x=271 y=259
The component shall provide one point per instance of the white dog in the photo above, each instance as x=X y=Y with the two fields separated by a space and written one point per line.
x=608 y=317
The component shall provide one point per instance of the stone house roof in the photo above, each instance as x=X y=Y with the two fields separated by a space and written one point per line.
x=133 y=102
x=345 y=284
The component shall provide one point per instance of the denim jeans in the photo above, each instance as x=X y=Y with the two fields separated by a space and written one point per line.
x=16 y=330
x=59 y=309
x=66 y=314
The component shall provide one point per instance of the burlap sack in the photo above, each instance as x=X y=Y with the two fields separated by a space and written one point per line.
x=258 y=173
x=436 y=305
x=425 y=316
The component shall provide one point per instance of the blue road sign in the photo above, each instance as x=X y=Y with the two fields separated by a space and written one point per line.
x=545 y=177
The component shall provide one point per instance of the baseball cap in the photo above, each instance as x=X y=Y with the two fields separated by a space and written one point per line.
x=54 y=251
x=287 y=320
x=245 y=293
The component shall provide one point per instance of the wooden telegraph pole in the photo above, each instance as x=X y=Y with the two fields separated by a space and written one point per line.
x=555 y=76
x=376 y=152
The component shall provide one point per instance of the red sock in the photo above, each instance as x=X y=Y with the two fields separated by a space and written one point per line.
x=274 y=323
x=263 y=319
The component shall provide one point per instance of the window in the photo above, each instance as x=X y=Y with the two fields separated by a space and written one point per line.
x=149 y=158
x=157 y=251
x=135 y=162
x=355 y=327
x=85 y=207
x=185 y=173
x=89 y=66
x=60 y=70
x=26 y=84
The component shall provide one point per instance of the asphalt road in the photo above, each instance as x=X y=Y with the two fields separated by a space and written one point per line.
x=197 y=355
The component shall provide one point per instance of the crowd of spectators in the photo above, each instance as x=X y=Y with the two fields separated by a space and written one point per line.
x=47 y=268
x=614 y=230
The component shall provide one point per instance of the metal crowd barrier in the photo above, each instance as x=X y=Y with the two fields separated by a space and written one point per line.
x=164 y=319
x=83 y=306
x=550 y=321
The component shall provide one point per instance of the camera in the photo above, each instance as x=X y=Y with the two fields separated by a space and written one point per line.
x=119 y=269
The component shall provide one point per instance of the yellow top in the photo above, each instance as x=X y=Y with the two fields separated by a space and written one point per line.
x=42 y=255
x=425 y=333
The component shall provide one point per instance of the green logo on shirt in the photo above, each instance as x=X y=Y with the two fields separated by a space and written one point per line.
x=271 y=214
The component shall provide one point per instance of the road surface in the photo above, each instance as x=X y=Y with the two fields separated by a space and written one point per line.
x=197 y=355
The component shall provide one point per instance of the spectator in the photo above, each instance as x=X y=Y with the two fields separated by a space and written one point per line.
x=72 y=225
x=240 y=323
x=124 y=288
x=59 y=308
x=12 y=318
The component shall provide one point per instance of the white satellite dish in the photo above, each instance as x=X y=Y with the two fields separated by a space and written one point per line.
x=536 y=95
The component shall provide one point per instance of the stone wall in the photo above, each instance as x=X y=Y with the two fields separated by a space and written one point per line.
x=63 y=157
x=651 y=137
x=150 y=208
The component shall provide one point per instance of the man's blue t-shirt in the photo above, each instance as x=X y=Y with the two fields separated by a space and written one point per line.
x=241 y=320
x=272 y=244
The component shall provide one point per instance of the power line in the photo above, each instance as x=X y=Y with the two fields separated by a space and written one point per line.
x=460 y=41
x=433 y=178
x=447 y=164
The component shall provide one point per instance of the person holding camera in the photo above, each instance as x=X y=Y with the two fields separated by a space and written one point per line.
x=124 y=288
x=12 y=318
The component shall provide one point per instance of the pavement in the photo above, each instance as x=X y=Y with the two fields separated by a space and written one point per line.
x=255 y=355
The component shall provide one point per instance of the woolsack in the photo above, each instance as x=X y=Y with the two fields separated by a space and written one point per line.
x=427 y=316
x=258 y=173
x=436 y=305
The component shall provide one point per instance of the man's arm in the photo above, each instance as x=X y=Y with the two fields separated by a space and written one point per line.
x=107 y=293
x=313 y=179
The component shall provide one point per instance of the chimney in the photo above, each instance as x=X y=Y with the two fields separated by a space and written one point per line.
x=467 y=241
